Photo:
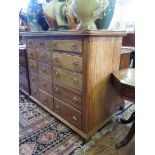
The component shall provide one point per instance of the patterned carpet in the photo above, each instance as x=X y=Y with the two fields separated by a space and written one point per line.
x=42 y=134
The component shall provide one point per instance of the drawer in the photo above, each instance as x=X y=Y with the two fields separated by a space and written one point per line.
x=33 y=78
x=32 y=65
x=23 y=73
x=34 y=91
x=73 y=80
x=45 y=84
x=45 y=69
x=46 y=99
x=70 y=62
x=30 y=43
x=67 y=45
x=69 y=96
x=22 y=62
x=44 y=56
x=45 y=44
x=31 y=54
x=70 y=114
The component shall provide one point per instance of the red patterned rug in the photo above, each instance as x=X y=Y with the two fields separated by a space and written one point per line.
x=42 y=134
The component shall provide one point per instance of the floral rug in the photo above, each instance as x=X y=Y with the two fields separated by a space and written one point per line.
x=42 y=134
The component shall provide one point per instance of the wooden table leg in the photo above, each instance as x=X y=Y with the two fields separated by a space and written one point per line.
x=128 y=137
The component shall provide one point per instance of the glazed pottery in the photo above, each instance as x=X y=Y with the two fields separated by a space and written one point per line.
x=41 y=19
x=104 y=21
x=49 y=13
x=23 y=15
x=60 y=12
x=87 y=11
x=32 y=11
x=72 y=21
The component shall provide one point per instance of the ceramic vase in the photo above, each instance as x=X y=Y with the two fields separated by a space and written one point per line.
x=87 y=11
x=72 y=21
x=41 y=19
x=49 y=13
x=104 y=21
x=32 y=10
x=60 y=12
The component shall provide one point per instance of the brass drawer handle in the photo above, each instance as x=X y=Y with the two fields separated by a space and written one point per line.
x=44 y=70
x=74 y=47
x=75 y=65
x=57 y=91
x=54 y=45
x=75 y=82
x=74 y=118
x=57 y=107
x=74 y=99
x=56 y=60
x=57 y=74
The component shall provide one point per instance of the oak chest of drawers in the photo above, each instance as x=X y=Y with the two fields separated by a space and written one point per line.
x=23 y=70
x=70 y=75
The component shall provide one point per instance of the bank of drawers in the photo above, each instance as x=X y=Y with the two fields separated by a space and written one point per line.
x=23 y=70
x=56 y=76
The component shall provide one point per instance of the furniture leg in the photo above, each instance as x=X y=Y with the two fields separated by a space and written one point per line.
x=128 y=137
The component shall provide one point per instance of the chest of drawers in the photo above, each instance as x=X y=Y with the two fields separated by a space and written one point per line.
x=70 y=75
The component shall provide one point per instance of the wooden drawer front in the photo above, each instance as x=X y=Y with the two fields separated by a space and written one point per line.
x=69 y=96
x=70 y=62
x=30 y=43
x=44 y=56
x=31 y=54
x=46 y=99
x=67 y=45
x=42 y=44
x=45 y=69
x=72 y=115
x=32 y=66
x=33 y=78
x=45 y=84
x=22 y=73
x=67 y=78
x=22 y=62
x=34 y=91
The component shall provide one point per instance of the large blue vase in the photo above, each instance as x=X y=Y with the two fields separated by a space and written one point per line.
x=32 y=11
x=104 y=21
x=41 y=19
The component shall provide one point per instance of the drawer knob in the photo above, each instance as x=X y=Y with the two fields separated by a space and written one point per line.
x=74 y=118
x=75 y=65
x=57 y=91
x=74 y=99
x=44 y=70
x=75 y=82
x=56 y=60
x=57 y=74
x=74 y=47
